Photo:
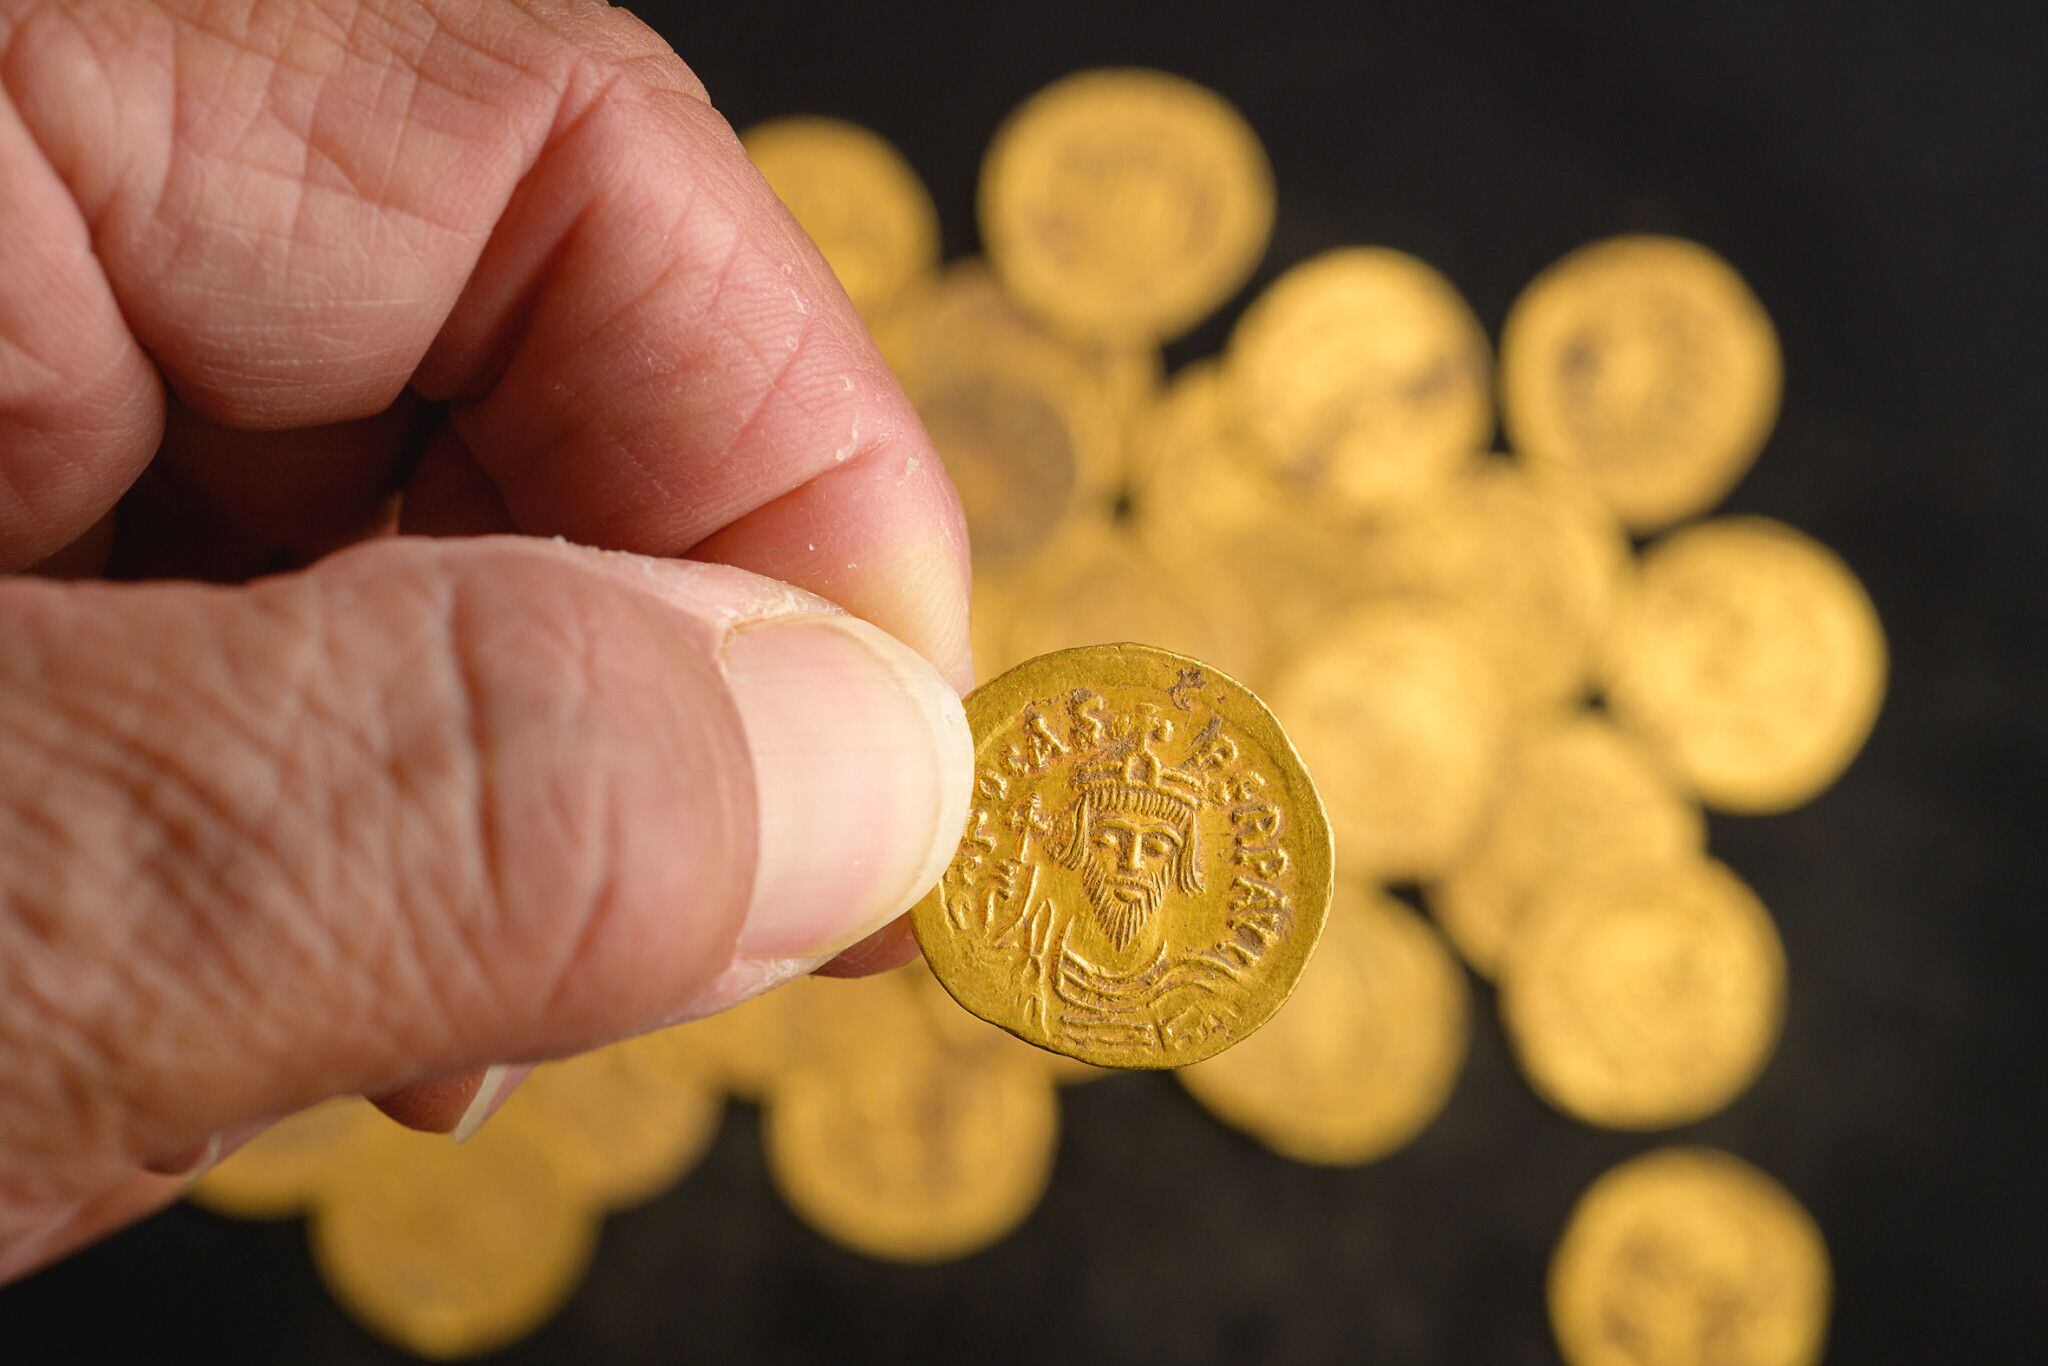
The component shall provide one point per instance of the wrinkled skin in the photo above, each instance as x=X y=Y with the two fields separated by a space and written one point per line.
x=262 y=267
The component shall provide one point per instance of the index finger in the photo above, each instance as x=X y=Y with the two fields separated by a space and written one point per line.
x=529 y=210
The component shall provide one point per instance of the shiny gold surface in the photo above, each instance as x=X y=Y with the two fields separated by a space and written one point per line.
x=1752 y=659
x=1146 y=864
x=1366 y=1052
x=1645 y=365
x=1689 y=1257
x=1644 y=996
x=1126 y=205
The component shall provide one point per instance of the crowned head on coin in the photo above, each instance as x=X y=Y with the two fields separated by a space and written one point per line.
x=1130 y=832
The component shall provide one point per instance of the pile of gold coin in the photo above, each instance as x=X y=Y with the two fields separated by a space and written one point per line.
x=1518 y=679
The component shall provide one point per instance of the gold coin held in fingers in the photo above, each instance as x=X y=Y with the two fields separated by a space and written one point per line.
x=1646 y=366
x=1146 y=865
x=1644 y=997
x=1752 y=660
x=1689 y=1257
x=1124 y=206
x=1365 y=1052
x=1361 y=377
x=858 y=199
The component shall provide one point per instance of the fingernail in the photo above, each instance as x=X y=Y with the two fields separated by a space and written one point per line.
x=494 y=1090
x=862 y=764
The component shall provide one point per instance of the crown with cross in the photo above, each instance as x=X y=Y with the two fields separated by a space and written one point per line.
x=1132 y=771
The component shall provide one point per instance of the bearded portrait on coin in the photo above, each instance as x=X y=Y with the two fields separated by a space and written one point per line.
x=1145 y=868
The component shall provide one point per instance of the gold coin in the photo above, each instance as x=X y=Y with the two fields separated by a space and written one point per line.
x=1362 y=377
x=1533 y=562
x=1146 y=864
x=857 y=198
x=1098 y=586
x=1689 y=1257
x=1402 y=718
x=1642 y=997
x=1125 y=205
x=1645 y=365
x=280 y=1172
x=451 y=1250
x=1752 y=659
x=1366 y=1052
x=918 y=1154
x=1029 y=427
x=1578 y=794
x=969 y=1034
x=623 y=1123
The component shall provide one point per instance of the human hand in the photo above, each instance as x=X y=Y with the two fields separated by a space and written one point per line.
x=423 y=805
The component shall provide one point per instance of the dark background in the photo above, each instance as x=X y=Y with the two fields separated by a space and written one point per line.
x=1875 y=170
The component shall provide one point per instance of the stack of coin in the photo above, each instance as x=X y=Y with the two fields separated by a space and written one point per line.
x=1514 y=709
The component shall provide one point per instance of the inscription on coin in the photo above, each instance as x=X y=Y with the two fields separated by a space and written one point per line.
x=1146 y=865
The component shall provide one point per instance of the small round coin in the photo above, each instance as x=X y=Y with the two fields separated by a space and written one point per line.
x=1532 y=560
x=453 y=1250
x=1646 y=996
x=1125 y=205
x=1362 y=377
x=282 y=1170
x=1403 y=719
x=1647 y=366
x=1751 y=659
x=920 y=1154
x=1146 y=864
x=857 y=198
x=1579 y=793
x=1689 y=1257
x=1365 y=1053
x=1031 y=427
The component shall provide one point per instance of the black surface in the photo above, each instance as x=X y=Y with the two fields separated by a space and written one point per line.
x=1874 y=169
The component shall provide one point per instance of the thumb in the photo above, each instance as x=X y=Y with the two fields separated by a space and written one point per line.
x=427 y=806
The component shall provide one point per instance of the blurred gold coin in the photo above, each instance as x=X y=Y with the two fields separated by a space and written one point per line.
x=1579 y=794
x=1146 y=864
x=1642 y=997
x=1402 y=719
x=451 y=1250
x=1029 y=426
x=919 y=1153
x=1689 y=1257
x=1533 y=562
x=1362 y=377
x=857 y=198
x=1366 y=1051
x=623 y=1123
x=280 y=1172
x=1098 y=586
x=1752 y=659
x=749 y=1048
x=1193 y=484
x=1125 y=205
x=1645 y=365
